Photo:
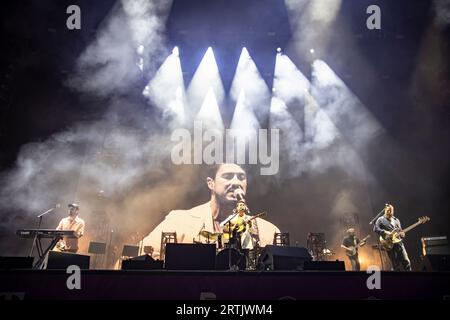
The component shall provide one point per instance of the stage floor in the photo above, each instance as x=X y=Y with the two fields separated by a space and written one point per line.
x=219 y=285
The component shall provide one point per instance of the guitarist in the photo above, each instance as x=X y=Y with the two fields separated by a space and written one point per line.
x=242 y=226
x=384 y=226
x=244 y=230
x=350 y=243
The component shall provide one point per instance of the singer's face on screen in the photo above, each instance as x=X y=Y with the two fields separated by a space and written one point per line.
x=229 y=177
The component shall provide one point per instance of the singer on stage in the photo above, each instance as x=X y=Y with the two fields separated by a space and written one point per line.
x=72 y=222
x=222 y=181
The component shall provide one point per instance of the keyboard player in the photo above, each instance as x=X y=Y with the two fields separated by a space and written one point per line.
x=72 y=222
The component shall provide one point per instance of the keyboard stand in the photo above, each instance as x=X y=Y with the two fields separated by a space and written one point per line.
x=43 y=253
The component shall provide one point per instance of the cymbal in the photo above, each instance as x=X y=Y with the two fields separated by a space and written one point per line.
x=210 y=235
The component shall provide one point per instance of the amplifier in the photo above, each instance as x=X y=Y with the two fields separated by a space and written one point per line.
x=435 y=245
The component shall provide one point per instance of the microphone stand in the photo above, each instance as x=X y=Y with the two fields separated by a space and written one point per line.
x=39 y=226
x=378 y=245
x=229 y=239
x=376 y=217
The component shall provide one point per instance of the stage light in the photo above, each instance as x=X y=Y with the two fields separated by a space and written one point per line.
x=175 y=51
x=244 y=119
x=140 y=50
x=166 y=89
x=312 y=23
x=279 y=50
x=252 y=98
x=288 y=83
x=205 y=78
x=349 y=117
x=146 y=91
x=209 y=113
x=311 y=51
x=249 y=90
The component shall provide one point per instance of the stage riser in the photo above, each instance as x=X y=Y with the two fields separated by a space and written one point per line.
x=46 y=284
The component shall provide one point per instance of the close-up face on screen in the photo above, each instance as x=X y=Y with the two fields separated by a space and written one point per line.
x=225 y=150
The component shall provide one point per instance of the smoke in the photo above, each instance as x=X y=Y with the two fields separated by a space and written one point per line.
x=209 y=114
x=106 y=160
x=205 y=85
x=166 y=91
x=131 y=40
x=323 y=124
x=312 y=23
x=442 y=13
x=250 y=93
x=337 y=129
x=116 y=167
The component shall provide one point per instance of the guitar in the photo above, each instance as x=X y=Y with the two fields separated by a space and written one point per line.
x=354 y=249
x=240 y=225
x=393 y=237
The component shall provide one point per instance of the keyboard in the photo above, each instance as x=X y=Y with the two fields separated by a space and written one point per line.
x=45 y=233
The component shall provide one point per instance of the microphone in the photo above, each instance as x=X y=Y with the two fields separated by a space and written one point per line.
x=49 y=210
x=239 y=194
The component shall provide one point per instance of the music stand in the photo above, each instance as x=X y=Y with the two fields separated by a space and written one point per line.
x=97 y=248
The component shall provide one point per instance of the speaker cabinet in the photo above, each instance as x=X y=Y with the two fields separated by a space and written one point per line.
x=62 y=260
x=144 y=262
x=435 y=246
x=283 y=258
x=184 y=256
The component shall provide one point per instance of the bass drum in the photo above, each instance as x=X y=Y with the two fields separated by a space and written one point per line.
x=228 y=255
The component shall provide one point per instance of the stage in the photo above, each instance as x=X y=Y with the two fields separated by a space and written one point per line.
x=219 y=285
x=225 y=151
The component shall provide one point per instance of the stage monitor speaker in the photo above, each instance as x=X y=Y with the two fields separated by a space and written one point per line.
x=62 y=260
x=324 y=265
x=436 y=262
x=130 y=251
x=283 y=258
x=7 y=263
x=183 y=256
x=144 y=262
